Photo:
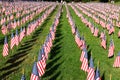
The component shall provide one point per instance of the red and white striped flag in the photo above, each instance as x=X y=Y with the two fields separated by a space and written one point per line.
x=12 y=41
x=5 y=47
x=16 y=38
x=103 y=42
x=117 y=61
x=4 y=29
x=91 y=71
x=83 y=54
x=111 y=49
x=96 y=32
x=34 y=74
x=84 y=65
x=41 y=64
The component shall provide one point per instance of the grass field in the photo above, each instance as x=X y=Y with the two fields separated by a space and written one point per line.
x=98 y=53
x=23 y=56
x=63 y=62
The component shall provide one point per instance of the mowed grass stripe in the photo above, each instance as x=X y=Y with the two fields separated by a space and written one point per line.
x=25 y=54
x=63 y=62
x=98 y=53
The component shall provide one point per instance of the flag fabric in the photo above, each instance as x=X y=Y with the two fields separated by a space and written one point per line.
x=97 y=74
x=91 y=71
x=5 y=47
x=34 y=75
x=96 y=32
x=77 y=38
x=12 y=41
x=16 y=38
x=83 y=54
x=84 y=66
x=22 y=34
x=43 y=57
x=23 y=77
x=102 y=34
x=117 y=61
x=103 y=42
x=111 y=49
x=40 y=64
x=4 y=29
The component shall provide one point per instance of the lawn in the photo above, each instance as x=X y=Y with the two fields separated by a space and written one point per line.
x=63 y=62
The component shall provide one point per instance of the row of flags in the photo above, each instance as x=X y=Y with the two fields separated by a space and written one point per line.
x=84 y=57
x=17 y=38
x=108 y=25
x=102 y=37
x=6 y=28
x=105 y=12
x=39 y=66
x=111 y=48
x=91 y=74
x=103 y=42
x=19 y=8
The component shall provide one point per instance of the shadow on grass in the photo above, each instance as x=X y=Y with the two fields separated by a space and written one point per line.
x=54 y=77
x=3 y=76
x=13 y=65
x=10 y=69
x=103 y=76
x=38 y=31
x=89 y=54
x=54 y=63
x=2 y=41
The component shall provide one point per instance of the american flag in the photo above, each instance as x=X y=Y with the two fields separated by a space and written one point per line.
x=84 y=66
x=16 y=38
x=4 y=29
x=91 y=71
x=12 y=42
x=23 y=77
x=96 y=32
x=83 y=43
x=35 y=75
x=5 y=47
x=52 y=32
x=83 y=54
x=92 y=28
x=77 y=38
x=48 y=42
x=97 y=74
x=28 y=29
x=103 y=42
x=117 y=61
x=40 y=64
x=43 y=57
x=22 y=34
x=111 y=49
x=102 y=34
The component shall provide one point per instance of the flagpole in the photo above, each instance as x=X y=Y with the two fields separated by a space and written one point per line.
x=110 y=76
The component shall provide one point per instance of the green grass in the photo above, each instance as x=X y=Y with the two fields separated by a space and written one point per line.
x=63 y=62
x=98 y=53
x=23 y=57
